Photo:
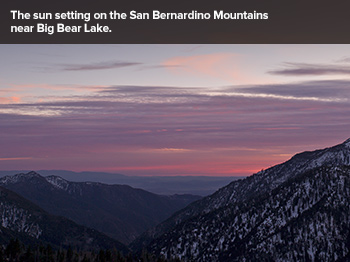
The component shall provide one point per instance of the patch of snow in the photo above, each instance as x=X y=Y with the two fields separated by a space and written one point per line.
x=58 y=182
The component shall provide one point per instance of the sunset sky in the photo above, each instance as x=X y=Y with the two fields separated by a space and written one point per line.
x=224 y=110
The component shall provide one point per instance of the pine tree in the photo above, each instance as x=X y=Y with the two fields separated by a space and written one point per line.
x=13 y=249
x=69 y=254
x=101 y=256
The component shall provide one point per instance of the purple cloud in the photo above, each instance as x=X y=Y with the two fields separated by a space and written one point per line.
x=98 y=66
x=114 y=126
x=146 y=67
x=301 y=69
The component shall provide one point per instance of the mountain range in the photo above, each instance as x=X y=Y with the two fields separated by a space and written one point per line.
x=295 y=211
x=163 y=185
x=119 y=211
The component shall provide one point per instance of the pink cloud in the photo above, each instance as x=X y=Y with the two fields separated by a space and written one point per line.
x=16 y=99
x=220 y=65
x=10 y=100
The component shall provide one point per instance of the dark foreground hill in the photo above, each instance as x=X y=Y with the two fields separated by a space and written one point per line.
x=119 y=211
x=295 y=211
x=23 y=220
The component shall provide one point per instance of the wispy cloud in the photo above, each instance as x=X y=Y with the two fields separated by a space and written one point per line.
x=192 y=48
x=302 y=69
x=325 y=90
x=161 y=66
x=14 y=158
x=106 y=99
x=97 y=66
x=173 y=150
x=116 y=125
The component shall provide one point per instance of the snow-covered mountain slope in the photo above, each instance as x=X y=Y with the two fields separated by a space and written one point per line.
x=21 y=219
x=18 y=219
x=268 y=179
x=17 y=178
x=120 y=211
x=294 y=211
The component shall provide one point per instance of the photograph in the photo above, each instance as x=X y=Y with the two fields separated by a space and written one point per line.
x=174 y=152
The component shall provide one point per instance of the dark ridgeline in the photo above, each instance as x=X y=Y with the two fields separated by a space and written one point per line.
x=120 y=211
x=295 y=211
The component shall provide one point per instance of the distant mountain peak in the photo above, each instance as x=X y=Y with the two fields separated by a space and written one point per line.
x=12 y=179
x=29 y=174
x=33 y=173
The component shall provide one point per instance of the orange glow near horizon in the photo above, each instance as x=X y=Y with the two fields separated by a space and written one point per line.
x=206 y=168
